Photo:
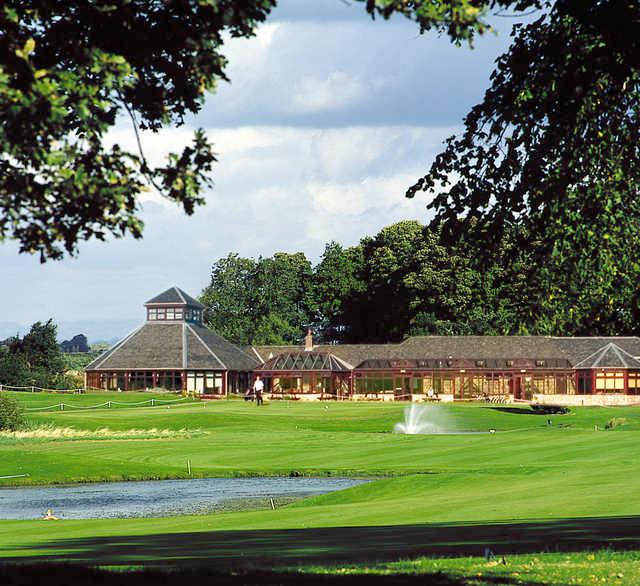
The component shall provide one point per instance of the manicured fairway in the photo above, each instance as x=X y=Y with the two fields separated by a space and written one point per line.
x=528 y=488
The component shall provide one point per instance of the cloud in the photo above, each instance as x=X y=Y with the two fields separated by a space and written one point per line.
x=347 y=72
x=337 y=90
x=328 y=119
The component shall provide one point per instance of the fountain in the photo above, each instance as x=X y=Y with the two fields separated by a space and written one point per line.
x=416 y=422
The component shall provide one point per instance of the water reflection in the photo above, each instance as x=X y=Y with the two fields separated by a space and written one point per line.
x=155 y=498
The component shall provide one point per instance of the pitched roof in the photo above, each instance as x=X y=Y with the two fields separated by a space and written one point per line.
x=557 y=352
x=174 y=346
x=481 y=347
x=304 y=360
x=609 y=356
x=577 y=349
x=174 y=296
x=232 y=356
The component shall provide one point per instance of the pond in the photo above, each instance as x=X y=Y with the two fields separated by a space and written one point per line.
x=160 y=498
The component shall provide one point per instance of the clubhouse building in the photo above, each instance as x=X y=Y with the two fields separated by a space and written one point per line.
x=175 y=351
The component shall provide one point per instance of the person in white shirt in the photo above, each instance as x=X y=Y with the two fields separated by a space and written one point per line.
x=258 y=387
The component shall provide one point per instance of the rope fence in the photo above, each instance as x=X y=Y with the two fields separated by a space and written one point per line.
x=35 y=389
x=107 y=405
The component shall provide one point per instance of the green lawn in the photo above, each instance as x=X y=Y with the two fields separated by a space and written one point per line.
x=529 y=488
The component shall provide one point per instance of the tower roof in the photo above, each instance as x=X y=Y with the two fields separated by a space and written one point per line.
x=174 y=296
x=173 y=346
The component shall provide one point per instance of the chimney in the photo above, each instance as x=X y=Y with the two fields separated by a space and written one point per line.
x=308 y=341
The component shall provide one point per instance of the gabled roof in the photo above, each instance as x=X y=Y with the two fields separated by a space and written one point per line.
x=174 y=296
x=305 y=361
x=609 y=356
x=174 y=346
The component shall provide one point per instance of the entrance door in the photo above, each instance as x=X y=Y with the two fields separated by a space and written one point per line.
x=402 y=388
x=522 y=387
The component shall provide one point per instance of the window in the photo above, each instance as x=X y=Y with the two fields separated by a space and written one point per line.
x=585 y=386
x=540 y=363
x=374 y=383
x=152 y=314
x=480 y=363
x=610 y=382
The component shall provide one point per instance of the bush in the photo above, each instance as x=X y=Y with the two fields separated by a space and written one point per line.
x=10 y=414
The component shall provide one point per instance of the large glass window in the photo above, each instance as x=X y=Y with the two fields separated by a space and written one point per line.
x=443 y=384
x=205 y=382
x=374 y=383
x=610 y=382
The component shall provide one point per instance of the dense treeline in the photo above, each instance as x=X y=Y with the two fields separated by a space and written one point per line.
x=35 y=359
x=409 y=279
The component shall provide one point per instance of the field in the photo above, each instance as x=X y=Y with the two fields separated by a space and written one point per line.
x=548 y=502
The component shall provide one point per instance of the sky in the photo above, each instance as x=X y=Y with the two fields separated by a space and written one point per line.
x=328 y=118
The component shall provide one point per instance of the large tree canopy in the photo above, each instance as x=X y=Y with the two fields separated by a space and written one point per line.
x=67 y=70
x=559 y=121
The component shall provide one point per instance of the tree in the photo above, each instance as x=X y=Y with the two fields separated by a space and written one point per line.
x=262 y=301
x=335 y=282
x=35 y=359
x=67 y=71
x=551 y=157
x=78 y=343
x=281 y=290
x=229 y=298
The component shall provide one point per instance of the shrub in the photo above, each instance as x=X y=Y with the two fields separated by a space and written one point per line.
x=615 y=422
x=10 y=414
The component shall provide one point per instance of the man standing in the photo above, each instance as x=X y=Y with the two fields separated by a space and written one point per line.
x=258 y=387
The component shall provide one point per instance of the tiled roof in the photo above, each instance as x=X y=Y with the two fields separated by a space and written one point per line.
x=577 y=349
x=150 y=346
x=609 y=356
x=175 y=295
x=556 y=352
x=233 y=357
x=175 y=346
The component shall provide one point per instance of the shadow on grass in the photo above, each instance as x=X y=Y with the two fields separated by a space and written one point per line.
x=20 y=575
x=516 y=410
x=267 y=549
